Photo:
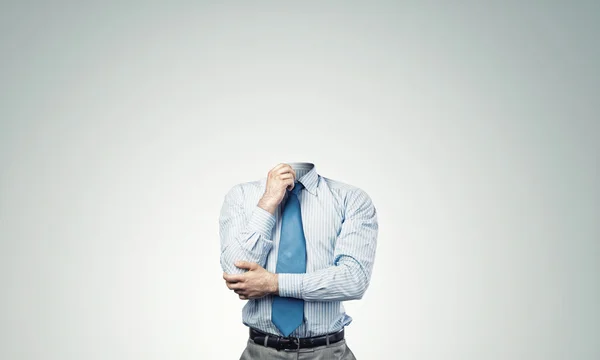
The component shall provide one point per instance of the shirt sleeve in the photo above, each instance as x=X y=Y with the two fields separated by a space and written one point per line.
x=243 y=237
x=348 y=278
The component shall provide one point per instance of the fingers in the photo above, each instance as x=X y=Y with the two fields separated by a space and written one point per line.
x=277 y=167
x=282 y=169
x=235 y=286
x=287 y=180
x=233 y=277
x=240 y=288
x=284 y=176
x=289 y=184
x=243 y=294
x=246 y=265
x=288 y=171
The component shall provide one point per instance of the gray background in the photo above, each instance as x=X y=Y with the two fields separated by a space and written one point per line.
x=472 y=125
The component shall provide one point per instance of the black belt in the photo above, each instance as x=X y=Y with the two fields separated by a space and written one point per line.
x=293 y=343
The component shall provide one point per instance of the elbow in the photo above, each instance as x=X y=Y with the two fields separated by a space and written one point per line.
x=230 y=268
x=359 y=290
x=362 y=290
x=228 y=264
x=358 y=283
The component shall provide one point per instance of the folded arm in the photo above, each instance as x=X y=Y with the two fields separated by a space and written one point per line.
x=242 y=237
x=348 y=278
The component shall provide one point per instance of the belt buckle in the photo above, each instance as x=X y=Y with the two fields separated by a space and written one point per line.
x=296 y=340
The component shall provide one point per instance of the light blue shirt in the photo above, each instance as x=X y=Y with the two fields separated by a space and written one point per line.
x=340 y=228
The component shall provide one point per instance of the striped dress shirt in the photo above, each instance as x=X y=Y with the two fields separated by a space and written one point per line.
x=340 y=227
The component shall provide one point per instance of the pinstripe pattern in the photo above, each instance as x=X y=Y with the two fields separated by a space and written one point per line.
x=340 y=227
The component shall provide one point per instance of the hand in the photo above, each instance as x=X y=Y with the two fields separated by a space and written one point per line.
x=254 y=283
x=279 y=179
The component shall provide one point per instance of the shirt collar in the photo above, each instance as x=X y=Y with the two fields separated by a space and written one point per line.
x=310 y=179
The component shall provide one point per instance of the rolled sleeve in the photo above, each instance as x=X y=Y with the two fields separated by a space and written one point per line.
x=262 y=221
x=243 y=237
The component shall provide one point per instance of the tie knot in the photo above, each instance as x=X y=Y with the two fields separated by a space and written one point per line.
x=297 y=187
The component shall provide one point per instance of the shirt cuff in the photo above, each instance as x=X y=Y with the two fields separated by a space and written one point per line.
x=290 y=285
x=262 y=221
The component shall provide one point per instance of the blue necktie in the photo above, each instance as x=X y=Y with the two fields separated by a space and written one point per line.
x=287 y=312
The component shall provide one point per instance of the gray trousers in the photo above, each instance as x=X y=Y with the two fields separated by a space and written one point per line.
x=337 y=351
